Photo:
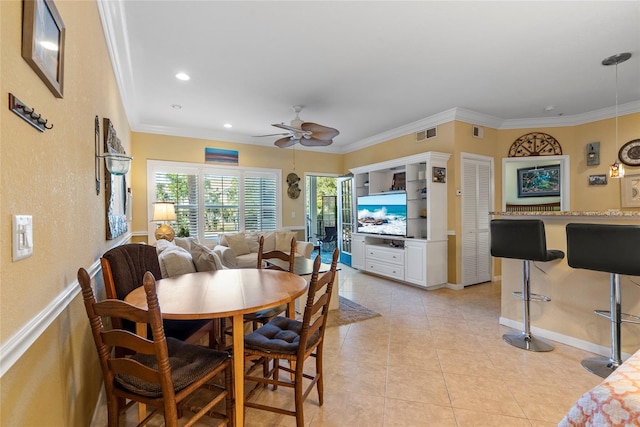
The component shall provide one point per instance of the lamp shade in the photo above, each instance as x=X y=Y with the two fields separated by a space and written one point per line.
x=164 y=211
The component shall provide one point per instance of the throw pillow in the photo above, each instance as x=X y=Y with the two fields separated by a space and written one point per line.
x=204 y=258
x=162 y=245
x=283 y=240
x=253 y=241
x=237 y=243
x=175 y=261
x=269 y=241
x=185 y=242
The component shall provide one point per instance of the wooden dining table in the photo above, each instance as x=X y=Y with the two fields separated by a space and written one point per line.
x=224 y=293
x=304 y=267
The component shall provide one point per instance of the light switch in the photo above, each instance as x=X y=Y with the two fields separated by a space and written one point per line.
x=22 y=236
x=293 y=214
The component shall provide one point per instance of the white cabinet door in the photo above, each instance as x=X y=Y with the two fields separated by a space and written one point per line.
x=415 y=256
x=357 y=252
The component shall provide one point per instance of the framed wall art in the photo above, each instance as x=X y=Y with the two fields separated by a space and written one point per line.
x=540 y=181
x=598 y=179
x=43 y=34
x=439 y=174
x=630 y=191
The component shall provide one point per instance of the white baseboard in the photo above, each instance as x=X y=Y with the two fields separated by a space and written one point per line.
x=564 y=339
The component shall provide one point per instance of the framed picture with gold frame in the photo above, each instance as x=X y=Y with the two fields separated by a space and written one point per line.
x=630 y=191
x=43 y=34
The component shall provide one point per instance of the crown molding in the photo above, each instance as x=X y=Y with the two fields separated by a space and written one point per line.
x=473 y=117
x=117 y=38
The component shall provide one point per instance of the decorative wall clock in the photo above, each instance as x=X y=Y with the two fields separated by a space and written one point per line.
x=535 y=144
x=629 y=153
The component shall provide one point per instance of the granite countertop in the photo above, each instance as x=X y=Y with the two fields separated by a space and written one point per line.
x=611 y=213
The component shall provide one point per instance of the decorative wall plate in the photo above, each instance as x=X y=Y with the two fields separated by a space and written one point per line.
x=535 y=144
x=629 y=153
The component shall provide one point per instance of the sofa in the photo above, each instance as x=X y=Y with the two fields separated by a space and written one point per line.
x=186 y=255
x=240 y=250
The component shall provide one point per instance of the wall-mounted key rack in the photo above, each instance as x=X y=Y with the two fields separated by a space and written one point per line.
x=28 y=114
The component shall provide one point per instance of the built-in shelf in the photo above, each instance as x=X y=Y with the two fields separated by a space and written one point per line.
x=424 y=250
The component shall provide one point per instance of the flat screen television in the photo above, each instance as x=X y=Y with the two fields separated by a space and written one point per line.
x=384 y=214
x=540 y=181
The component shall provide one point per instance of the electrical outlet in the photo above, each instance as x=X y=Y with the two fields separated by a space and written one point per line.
x=22 y=236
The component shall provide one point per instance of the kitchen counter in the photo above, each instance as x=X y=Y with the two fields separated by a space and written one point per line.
x=605 y=214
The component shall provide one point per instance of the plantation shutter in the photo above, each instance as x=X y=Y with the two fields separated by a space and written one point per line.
x=221 y=204
x=210 y=200
x=181 y=189
x=260 y=209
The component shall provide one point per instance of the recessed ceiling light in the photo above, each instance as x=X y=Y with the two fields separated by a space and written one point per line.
x=228 y=125
x=549 y=108
x=176 y=106
x=182 y=76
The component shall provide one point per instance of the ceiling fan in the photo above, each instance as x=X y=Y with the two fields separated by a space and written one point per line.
x=306 y=133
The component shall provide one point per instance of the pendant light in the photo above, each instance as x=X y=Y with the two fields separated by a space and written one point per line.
x=616 y=170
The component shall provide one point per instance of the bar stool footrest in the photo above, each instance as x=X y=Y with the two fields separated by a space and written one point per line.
x=532 y=297
x=624 y=317
x=601 y=366
x=525 y=342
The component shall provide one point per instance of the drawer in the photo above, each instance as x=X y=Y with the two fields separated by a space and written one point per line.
x=393 y=271
x=388 y=255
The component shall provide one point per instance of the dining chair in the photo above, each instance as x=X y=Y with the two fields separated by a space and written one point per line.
x=161 y=372
x=123 y=268
x=293 y=340
x=263 y=316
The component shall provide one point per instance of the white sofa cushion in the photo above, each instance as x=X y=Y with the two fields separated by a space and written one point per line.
x=175 y=261
x=238 y=243
x=204 y=258
x=283 y=241
x=270 y=241
x=253 y=241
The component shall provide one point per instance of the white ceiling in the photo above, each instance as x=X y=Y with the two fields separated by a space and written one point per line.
x=372 y=69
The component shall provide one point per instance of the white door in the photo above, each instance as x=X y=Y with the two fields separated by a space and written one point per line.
x=477 y=200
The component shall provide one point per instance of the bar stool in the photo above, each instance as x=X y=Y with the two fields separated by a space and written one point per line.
x=614 y=249
x=525 y=240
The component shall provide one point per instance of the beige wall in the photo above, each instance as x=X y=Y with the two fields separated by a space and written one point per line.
x=50 y=175
x=162 y=147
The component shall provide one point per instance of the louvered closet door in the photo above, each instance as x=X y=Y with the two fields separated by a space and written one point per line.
x=476 y=202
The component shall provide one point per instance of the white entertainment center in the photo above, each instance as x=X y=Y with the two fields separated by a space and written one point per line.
x=420 y=257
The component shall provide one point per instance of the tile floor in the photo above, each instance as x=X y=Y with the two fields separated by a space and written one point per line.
x=434 y=358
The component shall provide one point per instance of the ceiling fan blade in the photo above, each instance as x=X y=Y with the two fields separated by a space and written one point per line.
x=271 y=134
x=291 y=128
x=315 y=142
x=286 y=142
x=319 y=131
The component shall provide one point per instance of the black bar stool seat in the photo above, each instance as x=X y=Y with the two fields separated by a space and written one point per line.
x=523 y=239
x=614 y=249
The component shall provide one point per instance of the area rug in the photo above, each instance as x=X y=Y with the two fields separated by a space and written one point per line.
x=349 y=312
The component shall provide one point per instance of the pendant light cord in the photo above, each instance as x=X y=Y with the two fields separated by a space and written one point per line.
x=616 y=111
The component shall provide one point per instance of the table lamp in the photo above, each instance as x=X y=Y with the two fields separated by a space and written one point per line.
x=164 y=211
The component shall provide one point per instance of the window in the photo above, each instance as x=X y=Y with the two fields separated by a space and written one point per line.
x=214 y=199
